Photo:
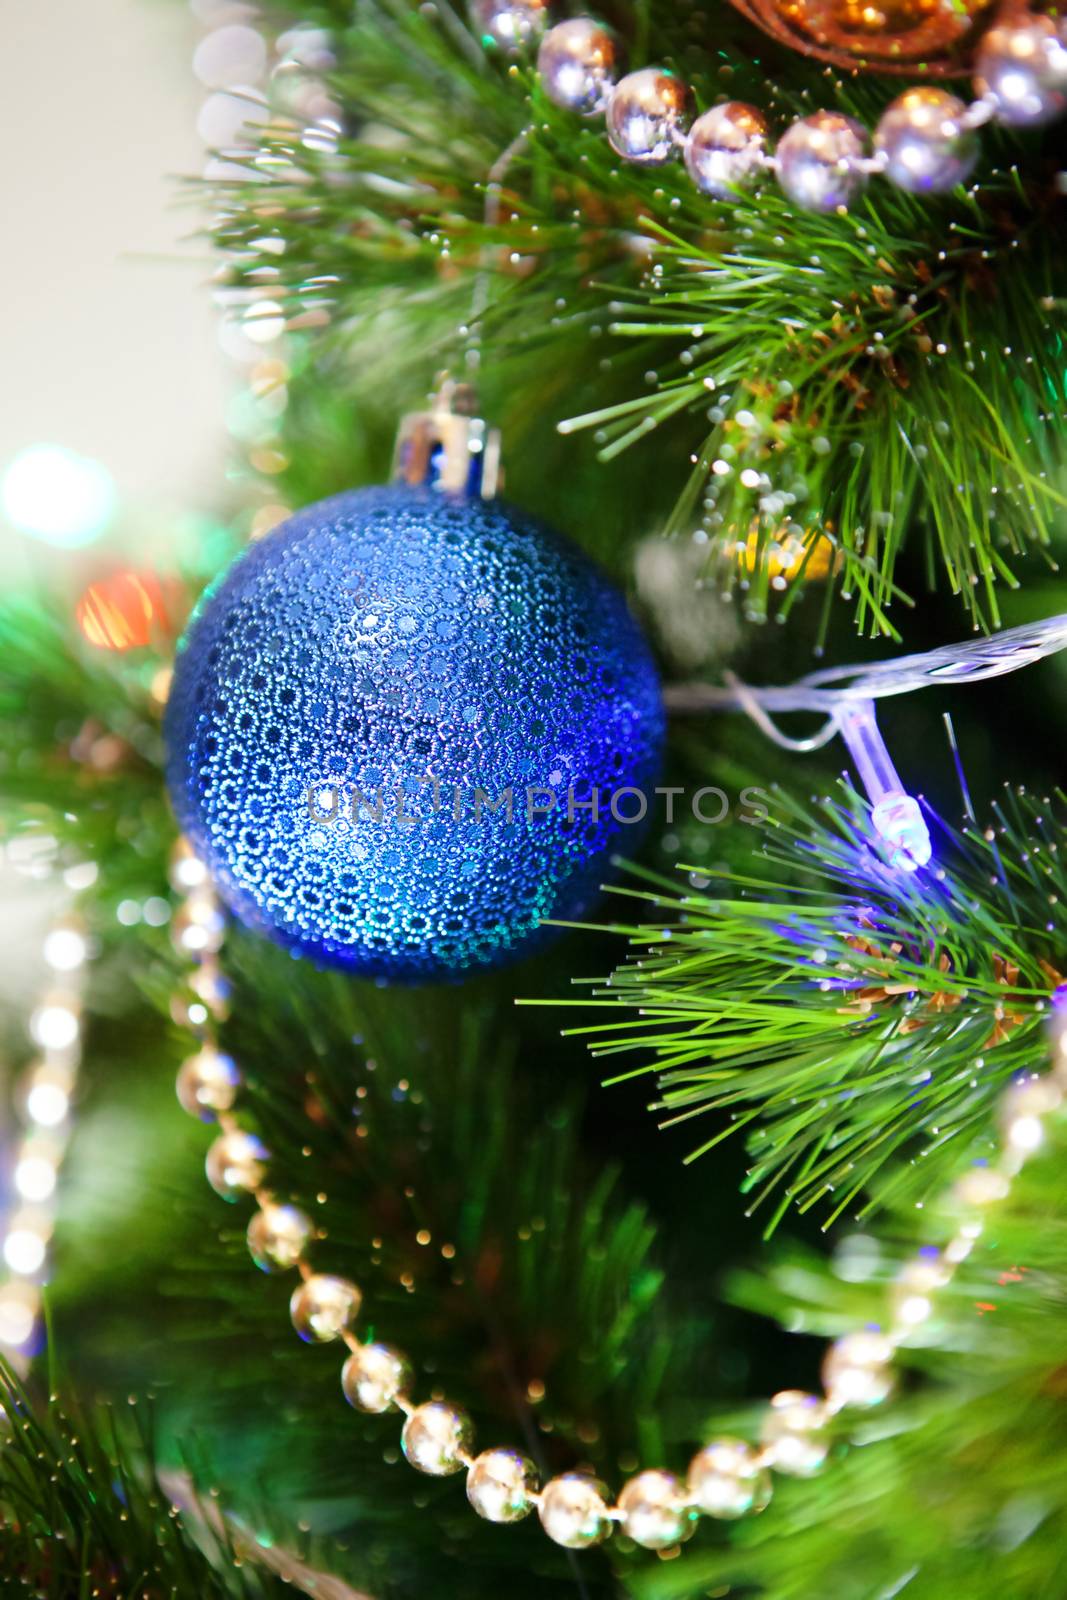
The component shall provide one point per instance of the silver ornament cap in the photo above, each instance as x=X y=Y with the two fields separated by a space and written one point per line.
x=822 y=161
x=726 y=148
x=924 y=141
x=449 y=447
x=645 y=116
x=1021 y=67
x=577 y=64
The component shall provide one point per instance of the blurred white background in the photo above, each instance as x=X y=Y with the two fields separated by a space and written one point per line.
x=110 y=345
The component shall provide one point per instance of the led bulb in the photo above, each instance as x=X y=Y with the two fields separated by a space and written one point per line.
x=47 y=1103
x=35 y=1176
x=65 y=949
x=899 y=821
x=57 y=496
x=895 y=815
x=24 y=1249
x=54 y=1024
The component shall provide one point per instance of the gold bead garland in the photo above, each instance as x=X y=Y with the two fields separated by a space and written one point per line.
x=728 y=1478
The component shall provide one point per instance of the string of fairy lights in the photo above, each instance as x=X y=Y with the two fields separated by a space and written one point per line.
x=43 y=1095
x=728 y=1477
x=254 y=79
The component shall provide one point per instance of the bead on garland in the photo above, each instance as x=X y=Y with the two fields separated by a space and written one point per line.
x=375 y=1376
x=577 y=62
x=502 y=1485
x=1021 y=71
x=728 y=1478
x=726 y=148
x=926 y=141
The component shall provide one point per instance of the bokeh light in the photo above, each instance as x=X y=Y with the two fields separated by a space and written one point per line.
x=18 y=1314
x=56 y=495
x=122 y=611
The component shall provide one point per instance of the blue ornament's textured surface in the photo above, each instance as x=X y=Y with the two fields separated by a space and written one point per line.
x=352 y=681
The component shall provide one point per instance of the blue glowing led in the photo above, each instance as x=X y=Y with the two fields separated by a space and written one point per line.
x=361 y=700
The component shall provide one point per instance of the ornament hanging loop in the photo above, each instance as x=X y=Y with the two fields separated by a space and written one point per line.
x=449 y=447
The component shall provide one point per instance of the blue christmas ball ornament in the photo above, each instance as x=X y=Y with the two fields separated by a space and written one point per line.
x=407 y=727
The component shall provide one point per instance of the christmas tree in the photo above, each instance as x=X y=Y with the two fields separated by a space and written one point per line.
x=708 y=1233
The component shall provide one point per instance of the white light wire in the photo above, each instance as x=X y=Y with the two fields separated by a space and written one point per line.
x=846 y=695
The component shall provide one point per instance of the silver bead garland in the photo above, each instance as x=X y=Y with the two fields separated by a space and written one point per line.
x=577 y=62
x=926 y=141
x=728 y=1478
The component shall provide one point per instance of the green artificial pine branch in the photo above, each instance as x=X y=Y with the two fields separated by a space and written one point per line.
x=440 y=1150
x=818 y=377
x=563 y=1277
x=856 y=1021
x=85 y=1514
x=831 y=407
x=80 y=748
x=954 y=1485
x=456 y=1195
x=508 y=1228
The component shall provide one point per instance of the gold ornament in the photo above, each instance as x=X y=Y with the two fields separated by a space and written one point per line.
x=785 y=556
x=920 y=37
x=1022 y=1110
x=208 y=984
x=981 y=1187
x=911 y=1297
x=204 y=1000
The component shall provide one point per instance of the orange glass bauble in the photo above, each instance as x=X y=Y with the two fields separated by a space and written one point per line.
x=920 y=37
x=125 y=610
